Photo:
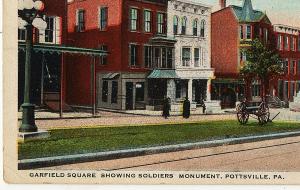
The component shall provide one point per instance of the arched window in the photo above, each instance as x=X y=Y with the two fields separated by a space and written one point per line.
x=175 y=24
x=183 y=25
x=202 y=28
x=195 y=27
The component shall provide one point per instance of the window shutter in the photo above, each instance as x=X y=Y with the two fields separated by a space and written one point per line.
x=58 y=30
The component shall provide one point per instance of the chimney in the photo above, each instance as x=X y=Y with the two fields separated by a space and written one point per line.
x=222 y=4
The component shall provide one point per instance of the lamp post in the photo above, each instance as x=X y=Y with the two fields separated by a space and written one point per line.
x=28 y=11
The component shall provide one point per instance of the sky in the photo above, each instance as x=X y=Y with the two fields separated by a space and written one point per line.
x=285 y=12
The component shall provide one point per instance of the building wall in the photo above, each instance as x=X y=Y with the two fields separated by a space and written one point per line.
x=117 y=37
x=288 y=85
x=175 y=8
x=225 y=41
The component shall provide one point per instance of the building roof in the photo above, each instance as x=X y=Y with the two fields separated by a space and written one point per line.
x=247 y=13
x=163 y=74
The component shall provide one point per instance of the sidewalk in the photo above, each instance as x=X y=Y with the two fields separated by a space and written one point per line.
x=49 y=120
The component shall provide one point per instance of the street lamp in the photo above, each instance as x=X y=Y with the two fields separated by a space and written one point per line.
x=28 y=11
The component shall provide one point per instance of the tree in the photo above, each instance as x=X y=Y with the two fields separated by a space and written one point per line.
x=262 y=63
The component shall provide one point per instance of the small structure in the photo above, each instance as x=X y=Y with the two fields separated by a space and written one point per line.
x=295 y=106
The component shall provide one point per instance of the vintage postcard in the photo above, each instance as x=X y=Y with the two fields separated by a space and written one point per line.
x=152 y=91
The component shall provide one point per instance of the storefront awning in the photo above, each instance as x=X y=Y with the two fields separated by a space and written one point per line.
x=48 y=48
x=163 y=74
x=110 y=76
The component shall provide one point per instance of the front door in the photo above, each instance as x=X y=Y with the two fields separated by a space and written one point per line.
x=129 y=96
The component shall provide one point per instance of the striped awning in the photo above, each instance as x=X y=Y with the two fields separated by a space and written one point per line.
x=110 y=76
x=163 y=74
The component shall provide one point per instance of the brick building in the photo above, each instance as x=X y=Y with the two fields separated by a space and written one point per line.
x=55 y=34
x=233 y=27
x=288 y=46
x=134 y=32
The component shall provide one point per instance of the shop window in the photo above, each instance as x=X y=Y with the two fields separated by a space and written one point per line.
x=140 y=91
x=114 y=92
x=104 y=91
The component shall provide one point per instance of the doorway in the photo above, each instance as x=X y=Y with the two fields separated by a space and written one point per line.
x=129 y=95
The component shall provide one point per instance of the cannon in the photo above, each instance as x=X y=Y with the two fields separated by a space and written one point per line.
x=245 y=110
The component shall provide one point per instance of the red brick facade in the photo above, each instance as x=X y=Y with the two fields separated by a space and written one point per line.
x=117 y=37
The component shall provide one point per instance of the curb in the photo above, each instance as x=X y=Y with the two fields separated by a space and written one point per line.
x=110 y=155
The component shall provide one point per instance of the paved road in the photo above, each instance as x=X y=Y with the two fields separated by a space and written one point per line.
x=271 y=155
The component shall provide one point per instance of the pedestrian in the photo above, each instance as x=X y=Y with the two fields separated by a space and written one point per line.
x=186 y=108
x=166 y=108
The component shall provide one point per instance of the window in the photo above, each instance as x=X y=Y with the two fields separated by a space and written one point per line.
x=22 y=34
x=133 y=51
x=197 y=57
x=292 y=67
x=241 y=32
x=286 y=66
x=103 y=59
x=243 y=56
x=147 y=56
x=104 y=91
x=298 y=68
x=161 y=23
x=266 y=35
x=147 y=21
x=202 y=29
x=80 y=21
x=103 y=18
x=195 y=27
x=170 y=57
x=186 y=57
x=164 y=58
x=175 y=25
x=178 y=89
x=157 y=57
x=292 y=46
x=299 y=43
x=256 y=88
x=49 y=31
x=183 y=25
x=286 y=42
x=248 y=32
x=114 y=92
x=140 y=91
x=279 y=42
x=133 y=19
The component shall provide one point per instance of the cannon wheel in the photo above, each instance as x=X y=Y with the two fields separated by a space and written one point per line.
x=242 y=114
x=263 y=114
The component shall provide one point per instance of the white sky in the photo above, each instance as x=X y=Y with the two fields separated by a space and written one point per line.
x=279 y=11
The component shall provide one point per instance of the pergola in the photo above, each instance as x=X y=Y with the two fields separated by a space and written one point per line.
x=61 y=49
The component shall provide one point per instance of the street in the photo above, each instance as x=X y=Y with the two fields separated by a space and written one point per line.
x=272 y=155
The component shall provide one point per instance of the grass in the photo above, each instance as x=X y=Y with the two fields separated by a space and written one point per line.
x=87 y=140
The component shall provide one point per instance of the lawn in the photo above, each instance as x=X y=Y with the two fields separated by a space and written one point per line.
x=87 y=140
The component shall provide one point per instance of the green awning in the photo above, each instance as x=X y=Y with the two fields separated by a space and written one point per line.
x=163 y=74
x=46 y=48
